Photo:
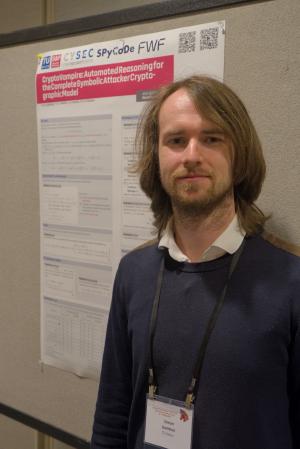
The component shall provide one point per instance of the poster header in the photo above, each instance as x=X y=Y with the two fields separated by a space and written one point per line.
x=110 y=80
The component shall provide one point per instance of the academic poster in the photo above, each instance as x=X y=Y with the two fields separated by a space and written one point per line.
x=92 y=210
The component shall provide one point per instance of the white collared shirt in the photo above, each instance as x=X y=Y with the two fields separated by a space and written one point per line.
x=228 y=242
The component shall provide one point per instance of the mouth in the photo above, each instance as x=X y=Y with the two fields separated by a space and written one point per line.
x=193 y=177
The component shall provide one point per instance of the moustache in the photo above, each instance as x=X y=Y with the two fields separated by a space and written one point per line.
x=191 y=174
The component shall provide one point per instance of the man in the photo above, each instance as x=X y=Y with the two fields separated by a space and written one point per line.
x=203 y=340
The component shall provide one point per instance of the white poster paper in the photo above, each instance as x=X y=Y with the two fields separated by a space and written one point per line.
x=93 y=211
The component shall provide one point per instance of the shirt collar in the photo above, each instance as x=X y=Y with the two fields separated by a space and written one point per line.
x=228 y=242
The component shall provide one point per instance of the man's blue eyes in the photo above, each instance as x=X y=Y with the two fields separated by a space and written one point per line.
x=212 y=139
x=182 y=141
x=177 y=141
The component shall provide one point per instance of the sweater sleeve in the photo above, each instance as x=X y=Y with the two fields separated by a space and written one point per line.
x=294 y=377
x=115 y=390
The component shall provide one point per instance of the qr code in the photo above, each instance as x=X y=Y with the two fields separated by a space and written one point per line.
x=187 y=42
x=209 y=38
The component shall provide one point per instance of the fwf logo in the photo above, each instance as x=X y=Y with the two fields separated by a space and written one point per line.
x=46 y=62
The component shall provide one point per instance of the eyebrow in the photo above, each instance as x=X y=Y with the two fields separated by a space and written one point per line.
x=179 y=131
x=213 y=131
x=173 y=132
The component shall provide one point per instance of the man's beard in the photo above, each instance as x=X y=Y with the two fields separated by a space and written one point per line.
x=217 y=196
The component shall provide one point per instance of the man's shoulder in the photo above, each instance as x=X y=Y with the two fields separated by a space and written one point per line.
x=149 y=244
x=140 y=265
x=271 y=254
x=272 y=261
x=281 y=244
x=147 y=254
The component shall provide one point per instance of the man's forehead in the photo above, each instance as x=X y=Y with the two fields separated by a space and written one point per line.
x=179 y=97
x=180 y=107
x=179 y=103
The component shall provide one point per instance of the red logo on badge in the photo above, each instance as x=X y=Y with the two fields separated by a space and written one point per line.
x=183 y=415
x=55 y=61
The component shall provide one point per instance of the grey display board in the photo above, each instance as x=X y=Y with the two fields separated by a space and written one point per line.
x=261 y=64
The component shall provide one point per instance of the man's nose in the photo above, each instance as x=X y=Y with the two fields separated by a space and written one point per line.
x=192 y=154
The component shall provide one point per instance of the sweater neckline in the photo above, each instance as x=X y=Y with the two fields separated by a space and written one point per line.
x=196 y=267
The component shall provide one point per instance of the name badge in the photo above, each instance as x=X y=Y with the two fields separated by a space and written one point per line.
x=169 y=423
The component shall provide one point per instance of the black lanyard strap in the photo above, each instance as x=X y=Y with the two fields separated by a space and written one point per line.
x=190 y=397
x=209 y=328
x=151 y=380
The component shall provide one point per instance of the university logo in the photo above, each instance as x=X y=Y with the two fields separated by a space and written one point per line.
x=46 y=62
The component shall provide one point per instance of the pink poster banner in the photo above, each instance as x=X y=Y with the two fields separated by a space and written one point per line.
x=111 y=80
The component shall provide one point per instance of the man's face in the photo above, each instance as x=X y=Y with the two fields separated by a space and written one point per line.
x=194 y=157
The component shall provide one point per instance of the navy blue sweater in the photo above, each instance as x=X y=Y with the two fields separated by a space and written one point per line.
x=248 y=395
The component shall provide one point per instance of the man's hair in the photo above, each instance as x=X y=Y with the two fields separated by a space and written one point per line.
x=220 y=105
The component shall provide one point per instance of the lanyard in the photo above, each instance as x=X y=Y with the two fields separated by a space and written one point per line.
x=190 y=396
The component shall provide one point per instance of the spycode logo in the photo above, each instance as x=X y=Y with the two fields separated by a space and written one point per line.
x=46 y=62
x=55 y=61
